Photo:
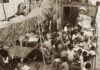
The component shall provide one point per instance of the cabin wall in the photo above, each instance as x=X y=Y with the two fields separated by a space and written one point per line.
x=98 y=25
x=10 y=8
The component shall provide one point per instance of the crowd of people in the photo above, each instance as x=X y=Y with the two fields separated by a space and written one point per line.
x=74 y=47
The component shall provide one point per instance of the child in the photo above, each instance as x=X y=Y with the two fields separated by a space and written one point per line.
x=64 y=65
x=63 y=54
x=70 y=53
x=92 y=51
x=86 y=44
x=87 y=67
x=80 y=55
x=85 y=59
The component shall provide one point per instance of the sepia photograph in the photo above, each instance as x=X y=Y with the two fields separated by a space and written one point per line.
x=49 y=34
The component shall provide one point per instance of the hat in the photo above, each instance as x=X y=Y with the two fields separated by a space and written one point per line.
x=83 y=8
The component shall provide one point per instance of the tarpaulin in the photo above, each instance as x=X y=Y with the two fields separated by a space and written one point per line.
x=20 y=51
x=14 y=29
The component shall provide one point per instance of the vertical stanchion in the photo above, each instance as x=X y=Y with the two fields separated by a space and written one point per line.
x=40 y=39
x=4 y=10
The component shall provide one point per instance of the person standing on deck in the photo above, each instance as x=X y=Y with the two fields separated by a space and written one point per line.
x=84 y=20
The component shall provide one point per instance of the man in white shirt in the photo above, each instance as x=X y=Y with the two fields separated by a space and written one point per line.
x=65 y=66
x=71 y=54
x=84 y=20
x=58 y=23
x=25 y=67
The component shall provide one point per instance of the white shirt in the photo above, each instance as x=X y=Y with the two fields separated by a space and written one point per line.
x=63 y=53
x=73 y=37
x=88 y=33
x=25 y=67
x=94 y=44
x=83 y=65
x=85 y=21
x=6 y=60
x=70 y=55
x=92 y=52
x=57 y=60
x=32 y=38
x=84 y=68
x=58 y=23
x=65 y=29
x=81 y=59
x=65 y=66
x=48 y=44
x=86 y=46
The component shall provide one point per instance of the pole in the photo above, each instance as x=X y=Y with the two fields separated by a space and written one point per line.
x=4 y=10
x=40 y=39
x=56 y=8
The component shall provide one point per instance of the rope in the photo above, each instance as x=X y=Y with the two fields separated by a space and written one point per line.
x=13 y=6
x=28 y=28
x=13 y=37
x=26 y=41
x=21 y=44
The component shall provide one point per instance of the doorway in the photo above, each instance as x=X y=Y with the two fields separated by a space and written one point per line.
x=70 y=14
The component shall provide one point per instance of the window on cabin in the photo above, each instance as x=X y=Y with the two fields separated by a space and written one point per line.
x=82 y=1
x=76 y=1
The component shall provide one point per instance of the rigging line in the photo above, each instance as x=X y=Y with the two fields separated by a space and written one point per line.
x=21 y=45
x=4 y=32
x=21 y=42
x=22 y=53
x=27 y=21
x=13 y=37
x=13 y=6
x=25 y=49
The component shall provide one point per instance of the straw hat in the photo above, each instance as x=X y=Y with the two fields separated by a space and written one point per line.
x=83 y=8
